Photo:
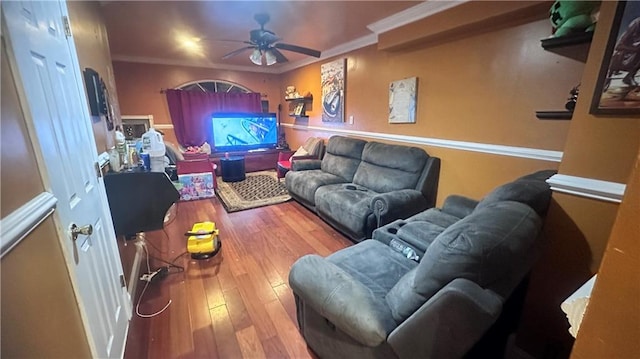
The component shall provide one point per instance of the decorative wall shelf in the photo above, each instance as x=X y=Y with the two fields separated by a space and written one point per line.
x=554 y=115
x=298 y=106
x=575 y=46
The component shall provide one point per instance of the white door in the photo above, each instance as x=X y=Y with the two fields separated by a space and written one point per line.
x=45 y=62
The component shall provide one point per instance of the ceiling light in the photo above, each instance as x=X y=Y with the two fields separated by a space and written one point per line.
x=256 y=57
x=270 y=57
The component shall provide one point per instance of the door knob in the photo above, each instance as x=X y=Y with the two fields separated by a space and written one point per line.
x=75 y=230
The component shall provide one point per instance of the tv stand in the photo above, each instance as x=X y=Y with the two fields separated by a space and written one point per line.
x=254 y=160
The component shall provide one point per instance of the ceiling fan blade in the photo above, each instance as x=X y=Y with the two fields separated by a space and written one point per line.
x=238 y=51
x=299 y=49
x=280 y=58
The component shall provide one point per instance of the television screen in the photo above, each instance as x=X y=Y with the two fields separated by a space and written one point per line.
x=244 y=131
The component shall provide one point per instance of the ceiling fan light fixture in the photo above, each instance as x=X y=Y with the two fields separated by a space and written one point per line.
x=256 y=57
x=270 y=57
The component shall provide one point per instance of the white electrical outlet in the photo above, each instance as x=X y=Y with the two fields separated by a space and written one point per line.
x=351 y=119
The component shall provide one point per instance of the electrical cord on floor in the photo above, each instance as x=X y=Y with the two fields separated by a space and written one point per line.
x=171 y=264
x=146 y=285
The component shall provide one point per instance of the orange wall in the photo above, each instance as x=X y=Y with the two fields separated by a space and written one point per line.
x=92 y=45
x=139 y=87
x=578 y=229
x=483 y=88
x=610 y=327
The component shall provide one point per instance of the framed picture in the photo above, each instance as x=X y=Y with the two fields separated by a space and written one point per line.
x=95 y=92
x=332 y=77
x=617 y=90
x=402 y=100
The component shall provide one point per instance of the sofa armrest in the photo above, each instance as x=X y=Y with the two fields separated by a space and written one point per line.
x=390 y=206
x=449 y=323
x=459 y=206
x=303 y=165
x=341 y=299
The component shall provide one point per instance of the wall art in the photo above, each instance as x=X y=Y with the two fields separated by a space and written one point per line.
x=332 y=75
x=402 y=100
x=617 y=90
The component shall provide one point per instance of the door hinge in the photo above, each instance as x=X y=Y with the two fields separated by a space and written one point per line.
x=67 y=26
x=122 y=281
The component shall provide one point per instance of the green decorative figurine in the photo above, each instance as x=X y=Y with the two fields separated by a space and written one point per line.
x=569 y=16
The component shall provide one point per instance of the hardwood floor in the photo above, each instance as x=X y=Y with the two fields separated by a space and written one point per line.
x=237 y=304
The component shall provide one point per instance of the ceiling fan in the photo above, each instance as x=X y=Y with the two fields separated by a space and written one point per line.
x=266 y=47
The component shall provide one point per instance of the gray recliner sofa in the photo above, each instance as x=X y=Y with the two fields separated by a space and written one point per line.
x=429 y=286
x=359 y=185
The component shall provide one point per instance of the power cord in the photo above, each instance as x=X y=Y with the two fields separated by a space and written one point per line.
x=148 y=277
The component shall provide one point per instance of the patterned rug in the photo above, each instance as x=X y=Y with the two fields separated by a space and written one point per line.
x=257 y=190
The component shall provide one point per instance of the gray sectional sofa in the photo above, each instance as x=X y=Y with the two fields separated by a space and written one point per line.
x=359 y=185
x=430 y=286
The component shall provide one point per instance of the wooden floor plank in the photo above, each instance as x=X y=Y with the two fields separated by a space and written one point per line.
x=237 y=310
x=287 y=329
x=255 y=307
x=237 y=304
x=180 y=329
x=286 y=298
x=225 y=335
x=250 y=344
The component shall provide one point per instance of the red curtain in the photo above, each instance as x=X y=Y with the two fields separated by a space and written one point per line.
x=191 y=112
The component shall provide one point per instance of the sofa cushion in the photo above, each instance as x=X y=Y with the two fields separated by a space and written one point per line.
x=305 y=183
x=342 y=156
x=348 y=208
x=373 y=264
x=488 y=247
x=385 y=168
x=532 y=192
x=435 y=216
x=420 y=234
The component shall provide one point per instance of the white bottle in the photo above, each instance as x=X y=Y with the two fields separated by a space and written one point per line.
x=153 y=144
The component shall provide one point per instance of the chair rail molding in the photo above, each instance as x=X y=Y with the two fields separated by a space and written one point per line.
x=19 y=223
x=587 y=187
x=524 y=152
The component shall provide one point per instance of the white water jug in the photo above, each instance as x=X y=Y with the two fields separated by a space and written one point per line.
x=153 y=144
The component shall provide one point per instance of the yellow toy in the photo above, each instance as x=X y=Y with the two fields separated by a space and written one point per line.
x=203 y=240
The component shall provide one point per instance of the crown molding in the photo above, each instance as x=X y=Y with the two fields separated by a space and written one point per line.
x=414 y=13
x=512 y=151
x=208 y=65
x=335 y=51
x=587 y=187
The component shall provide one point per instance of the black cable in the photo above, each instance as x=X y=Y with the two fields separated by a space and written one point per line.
x=171 y=265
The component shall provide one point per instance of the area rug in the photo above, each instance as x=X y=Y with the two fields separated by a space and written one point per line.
x=257 y=190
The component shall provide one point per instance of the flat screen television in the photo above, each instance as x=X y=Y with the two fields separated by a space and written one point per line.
x=244 y=131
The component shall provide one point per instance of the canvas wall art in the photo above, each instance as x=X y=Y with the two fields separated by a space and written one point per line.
x=618 y=88
x=332 y=75
x=402 y=100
